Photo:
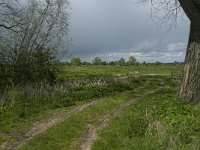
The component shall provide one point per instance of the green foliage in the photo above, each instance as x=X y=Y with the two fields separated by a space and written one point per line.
x=158 y=63
x=86 y=63
x=70 y=137
x=64 y=63
x=103 y=63
x=97 y=61
x=112 y=63
x=83 y=83
x=36 y=99
x=29 y=50
x=76 y=61
x=132 y=60
x=13 y=95
x=122 y=62
x=160 y=121
x=27 y=68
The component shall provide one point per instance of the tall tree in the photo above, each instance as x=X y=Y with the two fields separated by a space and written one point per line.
x=32 y=33
x=190 y=86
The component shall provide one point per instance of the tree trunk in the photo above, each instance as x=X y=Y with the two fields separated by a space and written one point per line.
x=190 y=87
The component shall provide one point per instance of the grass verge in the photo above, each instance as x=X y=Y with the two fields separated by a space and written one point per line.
x=68 y=133
x=160 y=121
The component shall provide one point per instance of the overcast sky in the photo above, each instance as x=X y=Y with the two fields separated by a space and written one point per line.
x=111 y=29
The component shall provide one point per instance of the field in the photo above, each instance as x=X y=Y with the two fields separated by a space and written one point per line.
x=104 y=108
x=85 y=71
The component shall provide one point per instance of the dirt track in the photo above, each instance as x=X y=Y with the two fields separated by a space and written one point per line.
x=40 y=127
x=86 y=140
x=92 y=130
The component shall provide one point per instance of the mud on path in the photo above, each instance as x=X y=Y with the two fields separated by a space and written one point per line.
x=87 y=140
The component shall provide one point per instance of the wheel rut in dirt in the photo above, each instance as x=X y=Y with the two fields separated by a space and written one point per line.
x=91 y=136
x=42 y=126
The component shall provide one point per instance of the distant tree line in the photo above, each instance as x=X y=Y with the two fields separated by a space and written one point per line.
x=98 y=61
x=132 y=61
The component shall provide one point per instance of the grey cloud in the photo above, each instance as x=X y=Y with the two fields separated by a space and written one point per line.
x=122 y=28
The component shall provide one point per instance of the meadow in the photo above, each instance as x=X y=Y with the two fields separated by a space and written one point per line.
x=92 y=70
x=102 y=107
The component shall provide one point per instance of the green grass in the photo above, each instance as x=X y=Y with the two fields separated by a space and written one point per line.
x=70 y=131
x=161 y=121
x=71 y=72
x=16 y=121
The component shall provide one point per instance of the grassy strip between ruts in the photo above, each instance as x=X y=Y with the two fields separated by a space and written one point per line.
x=14 y=127
x=160 y=121
x=68 y=133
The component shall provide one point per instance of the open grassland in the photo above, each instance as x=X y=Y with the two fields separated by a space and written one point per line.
x=102 y=108
x=70 y=72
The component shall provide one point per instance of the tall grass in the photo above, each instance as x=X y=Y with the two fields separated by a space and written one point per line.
x=27 y=102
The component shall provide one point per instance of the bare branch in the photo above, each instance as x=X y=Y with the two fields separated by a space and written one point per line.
x=170 y=10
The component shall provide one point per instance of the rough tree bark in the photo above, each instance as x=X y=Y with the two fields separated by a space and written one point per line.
x=190 y=87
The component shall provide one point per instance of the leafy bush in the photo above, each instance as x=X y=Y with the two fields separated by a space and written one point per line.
x=76 y=61
x=97 y=61
x=35 y=67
